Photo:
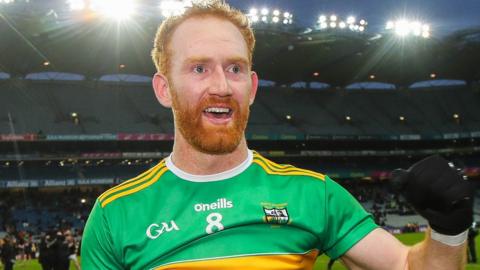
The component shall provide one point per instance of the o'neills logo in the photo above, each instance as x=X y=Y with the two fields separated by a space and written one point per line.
x=219 y=204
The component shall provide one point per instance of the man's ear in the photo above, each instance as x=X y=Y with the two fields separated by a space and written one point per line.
x=253 y=90
x=162 y=89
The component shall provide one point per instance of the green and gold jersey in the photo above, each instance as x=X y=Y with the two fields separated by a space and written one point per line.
x=259 y=215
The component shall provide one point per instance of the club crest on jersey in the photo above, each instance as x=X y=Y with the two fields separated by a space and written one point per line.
x=275 y=213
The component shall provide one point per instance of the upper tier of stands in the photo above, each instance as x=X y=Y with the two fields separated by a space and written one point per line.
x=40 y=107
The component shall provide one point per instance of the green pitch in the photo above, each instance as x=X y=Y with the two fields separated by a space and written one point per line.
x=321 y=264
x=407 y=238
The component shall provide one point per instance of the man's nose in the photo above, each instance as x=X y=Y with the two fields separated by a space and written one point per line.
x=219 y=83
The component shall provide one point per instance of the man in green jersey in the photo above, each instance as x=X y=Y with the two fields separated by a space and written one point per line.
x=215 y=204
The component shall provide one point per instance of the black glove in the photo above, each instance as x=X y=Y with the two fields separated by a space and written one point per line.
x=439 y=192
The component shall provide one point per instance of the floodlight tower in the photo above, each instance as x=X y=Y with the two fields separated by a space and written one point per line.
x=268 y=16
x=334 y=21
x=404 y=28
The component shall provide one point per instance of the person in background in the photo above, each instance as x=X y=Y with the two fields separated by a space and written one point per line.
x=62 y=252
x=472 y=249
x=73 y=248
x=8 y=253
x=47 y=251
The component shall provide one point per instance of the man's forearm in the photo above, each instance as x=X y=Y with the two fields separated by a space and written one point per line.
x=432 y=254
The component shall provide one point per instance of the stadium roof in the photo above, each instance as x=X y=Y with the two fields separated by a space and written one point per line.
x=82 y=43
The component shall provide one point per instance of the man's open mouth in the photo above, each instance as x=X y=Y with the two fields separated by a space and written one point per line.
x=218 y=112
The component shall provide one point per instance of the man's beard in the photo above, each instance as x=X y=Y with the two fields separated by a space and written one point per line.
x=211 y=139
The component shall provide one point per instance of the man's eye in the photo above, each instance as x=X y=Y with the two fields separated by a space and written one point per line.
x=199 y=69
x=235 y=69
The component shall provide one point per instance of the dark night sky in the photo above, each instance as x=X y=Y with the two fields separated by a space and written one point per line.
x=444 y=16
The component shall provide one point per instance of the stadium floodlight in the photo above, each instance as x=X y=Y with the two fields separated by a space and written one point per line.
x=363 y=22
x=333 y=18
x=174 y=7
x=390 y=25
x=276 y=12
x=426 y=31
x=402 y=27
x=253 y=11
x=76 y=4
x=322 y=18
x=342 y=25
x=254 y=18
x=361 y=28
x=116 y=9
x=6 y=1
x=264 y=19
x=275 y=19
x=287 y=14
x=285 y=21
x=333 y=24
x=264 y=11
x=416 y=28
x=351 y=20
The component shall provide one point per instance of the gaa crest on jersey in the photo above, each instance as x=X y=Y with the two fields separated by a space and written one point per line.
x=275 y=213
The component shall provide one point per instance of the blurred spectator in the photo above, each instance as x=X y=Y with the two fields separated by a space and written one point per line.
x=62 y=252
x=73 y=248
x=7 y=253
x=47 y=251
x=472 y=250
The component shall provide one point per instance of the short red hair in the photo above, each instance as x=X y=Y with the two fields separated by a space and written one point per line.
x=161 y=52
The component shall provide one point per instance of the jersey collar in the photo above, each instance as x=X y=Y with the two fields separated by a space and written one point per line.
x=210 y=177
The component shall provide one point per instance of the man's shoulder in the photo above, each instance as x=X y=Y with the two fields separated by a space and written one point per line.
x=272 y=168
x=134 y=185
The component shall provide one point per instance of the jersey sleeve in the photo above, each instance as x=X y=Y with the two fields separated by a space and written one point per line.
x=347 y=221
x=97 y=250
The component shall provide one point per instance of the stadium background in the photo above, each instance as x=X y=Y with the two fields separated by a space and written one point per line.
x=77 y=112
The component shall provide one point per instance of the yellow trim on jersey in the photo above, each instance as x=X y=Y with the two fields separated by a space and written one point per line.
x=299 y=172
x=131 y=182
x=136 y=189
x=274 y=165
x=251 y=262
x=273 y=168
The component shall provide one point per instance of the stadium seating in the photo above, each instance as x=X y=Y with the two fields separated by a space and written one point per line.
x=128 y=108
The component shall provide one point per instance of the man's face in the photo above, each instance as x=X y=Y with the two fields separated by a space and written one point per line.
x=211 y=84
